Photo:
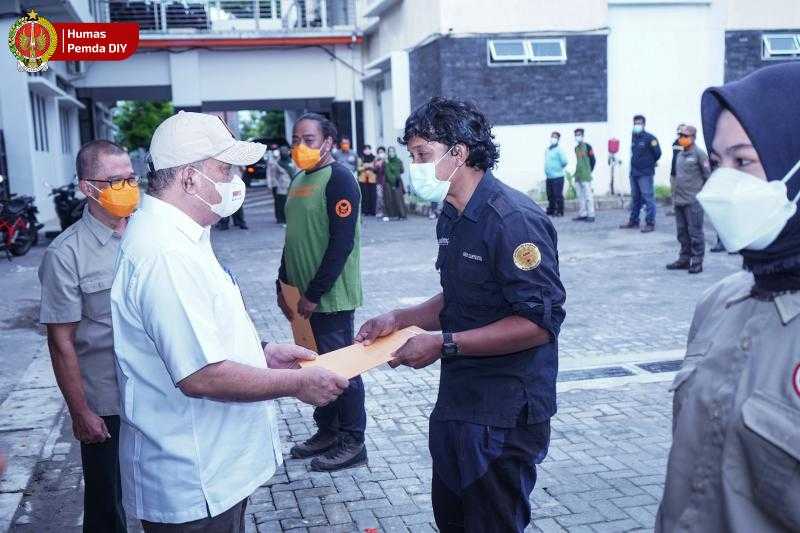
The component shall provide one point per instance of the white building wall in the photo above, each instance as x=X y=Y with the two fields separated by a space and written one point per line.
x=522 y=153
x=467 y=16
x=660 y=59
x=764 y=14
x=404 y=26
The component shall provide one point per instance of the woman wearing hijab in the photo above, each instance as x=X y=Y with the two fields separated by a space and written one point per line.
x=734 y=465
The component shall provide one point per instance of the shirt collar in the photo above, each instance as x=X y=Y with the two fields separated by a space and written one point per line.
x=480 y=197
x=787 y=305
x=172 y=215
x=101 y=232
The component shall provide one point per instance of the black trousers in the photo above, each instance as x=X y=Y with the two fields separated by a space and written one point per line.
x=231 y=521
x=238 y=219
x=347 y=413
x=369 y=198
x=555 y=196
x=689 y=223
x=483 y=476
x=102 y=495
x=280 y=208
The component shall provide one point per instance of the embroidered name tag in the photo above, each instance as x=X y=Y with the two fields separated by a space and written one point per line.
x=444 y=241
x=472 y=256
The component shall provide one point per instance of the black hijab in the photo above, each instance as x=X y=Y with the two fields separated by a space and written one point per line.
x=767 y=104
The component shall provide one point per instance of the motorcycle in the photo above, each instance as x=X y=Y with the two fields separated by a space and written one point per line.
x=68 y=208
x=19 y=228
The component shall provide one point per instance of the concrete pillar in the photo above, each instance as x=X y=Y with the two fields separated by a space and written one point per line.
x=401 y=90
x=185 y=76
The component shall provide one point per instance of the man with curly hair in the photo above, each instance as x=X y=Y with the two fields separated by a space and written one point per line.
x=499 y=313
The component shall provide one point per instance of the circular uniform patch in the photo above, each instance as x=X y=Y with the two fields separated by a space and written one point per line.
x=654 y=142
x=344 y=208
x=796 y=379
x=527 y=256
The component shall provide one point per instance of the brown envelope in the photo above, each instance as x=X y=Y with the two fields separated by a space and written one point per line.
x=354 y=360
x=301 y=327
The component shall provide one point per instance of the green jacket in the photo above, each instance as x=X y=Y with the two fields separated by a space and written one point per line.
x=393 y=170
x=586 y=161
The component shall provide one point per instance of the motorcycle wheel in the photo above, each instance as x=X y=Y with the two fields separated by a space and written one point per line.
x=24 y=240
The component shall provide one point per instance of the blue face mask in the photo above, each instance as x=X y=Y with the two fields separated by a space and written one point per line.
x=638 y=128
x=424 y=182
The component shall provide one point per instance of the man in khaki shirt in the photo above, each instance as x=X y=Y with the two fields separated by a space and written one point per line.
x=76 y=275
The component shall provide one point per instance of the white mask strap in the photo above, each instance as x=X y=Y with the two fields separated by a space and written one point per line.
x=791 y=173
x=444 y=154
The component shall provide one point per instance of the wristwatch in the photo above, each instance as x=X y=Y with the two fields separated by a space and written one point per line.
x=449 y=347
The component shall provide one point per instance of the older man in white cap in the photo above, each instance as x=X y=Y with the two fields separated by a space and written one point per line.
x=199 y=433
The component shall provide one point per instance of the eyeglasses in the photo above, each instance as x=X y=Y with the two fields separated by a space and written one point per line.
x=117 y=183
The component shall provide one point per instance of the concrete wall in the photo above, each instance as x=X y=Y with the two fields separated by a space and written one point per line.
x=764 y=14
x=403 y=27
x=660 y=59
x=498 y=16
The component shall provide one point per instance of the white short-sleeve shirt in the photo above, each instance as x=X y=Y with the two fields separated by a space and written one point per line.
x=175 y=309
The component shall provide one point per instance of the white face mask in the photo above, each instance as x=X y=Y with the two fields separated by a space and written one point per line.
x=553 y=141
x=579 y=139
x=424 y=182
x=232 y=194
x=747 y=212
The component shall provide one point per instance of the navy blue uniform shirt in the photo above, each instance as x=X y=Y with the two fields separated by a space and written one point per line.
x=497 y=259
x=645 y=152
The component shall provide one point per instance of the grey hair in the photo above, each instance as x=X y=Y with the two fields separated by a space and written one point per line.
x=160 y=180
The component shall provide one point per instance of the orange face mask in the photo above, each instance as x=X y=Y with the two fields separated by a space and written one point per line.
x=304 y=157
x=119 y=203
x=685 y=141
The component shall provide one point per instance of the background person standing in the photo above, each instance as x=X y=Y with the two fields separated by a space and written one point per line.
x=555 y=161
x=584 y=155
x=76 y=275
x=645 y=153
x=691 y=172
x=321 y=257
x=367 y=181
x=394 y=190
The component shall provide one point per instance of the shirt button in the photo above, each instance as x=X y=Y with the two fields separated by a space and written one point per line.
x=745 y=344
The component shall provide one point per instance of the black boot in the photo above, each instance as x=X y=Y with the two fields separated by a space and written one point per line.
x=680 y=264
x=347 y=453
x=321 y=442
x=696 y=267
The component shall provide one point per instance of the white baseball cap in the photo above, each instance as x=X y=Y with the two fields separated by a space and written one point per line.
x=191 y=137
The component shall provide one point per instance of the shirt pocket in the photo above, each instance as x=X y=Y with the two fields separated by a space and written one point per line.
x=768 y=472
x=96 y=295
x=477 y=284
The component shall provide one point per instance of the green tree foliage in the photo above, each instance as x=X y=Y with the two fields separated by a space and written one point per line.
x=138 y=120
x=268 y=124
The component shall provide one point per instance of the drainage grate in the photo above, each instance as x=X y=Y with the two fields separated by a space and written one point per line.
x=594 y=373
x=662 y=366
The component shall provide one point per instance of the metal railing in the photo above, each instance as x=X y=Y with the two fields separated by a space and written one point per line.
x=225 y=16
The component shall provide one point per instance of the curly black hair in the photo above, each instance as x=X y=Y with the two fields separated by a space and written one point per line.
x=452 y=122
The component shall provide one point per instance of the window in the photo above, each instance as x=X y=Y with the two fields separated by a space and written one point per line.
x=39 y=117
x=508 y=51
x=548 y=50
x=527 y=51
x=66 y=131
x=780 y=46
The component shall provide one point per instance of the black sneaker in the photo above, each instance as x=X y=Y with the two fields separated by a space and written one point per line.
x=648 y=228
x=579 y=219
x=321 y=442
x=347 y=453
x=678 y=265
x=629 y=225
x=719 y=247
x=589 y=219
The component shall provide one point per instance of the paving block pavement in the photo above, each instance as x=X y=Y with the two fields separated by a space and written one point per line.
x=610 y=438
